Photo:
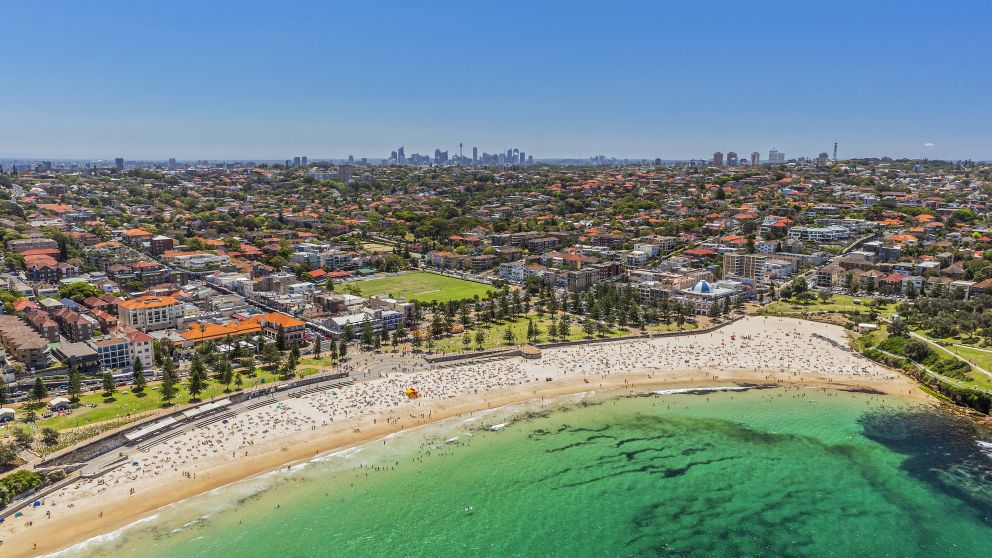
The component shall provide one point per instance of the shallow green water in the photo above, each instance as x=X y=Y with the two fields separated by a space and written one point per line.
x=767 y=472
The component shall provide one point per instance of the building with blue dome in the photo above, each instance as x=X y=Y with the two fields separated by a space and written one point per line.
x=705 y=294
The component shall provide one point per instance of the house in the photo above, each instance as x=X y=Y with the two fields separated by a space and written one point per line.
x=830 y=275
x=892 y=283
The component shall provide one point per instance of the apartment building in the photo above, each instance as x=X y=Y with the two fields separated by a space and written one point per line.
x=150 y=313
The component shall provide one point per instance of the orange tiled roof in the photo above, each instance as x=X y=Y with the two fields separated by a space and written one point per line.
x=149 y=302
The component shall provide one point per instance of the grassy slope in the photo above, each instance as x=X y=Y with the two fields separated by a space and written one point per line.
x=836 y=303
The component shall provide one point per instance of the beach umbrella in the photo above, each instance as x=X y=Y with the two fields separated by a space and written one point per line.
x=37 y=503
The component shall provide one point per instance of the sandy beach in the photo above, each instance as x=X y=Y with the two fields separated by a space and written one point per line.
x=754 y=349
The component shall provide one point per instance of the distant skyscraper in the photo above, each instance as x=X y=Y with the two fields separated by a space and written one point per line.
x=774 y=156
x=296 y=161
x=823 y=157
x=345 y=172
x=400 y=156
x=718 y=159
x=475 y=155
x=523 y=158
x=119 y=163
x=755 y=158
x=304 y=160
x=351 y=159
x=731 y=159
x=172 y=163
x=530 y=159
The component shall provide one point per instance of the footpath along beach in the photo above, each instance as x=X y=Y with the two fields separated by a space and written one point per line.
x=754 y=349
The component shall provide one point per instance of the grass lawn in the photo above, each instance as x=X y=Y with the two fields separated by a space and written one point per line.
x=124 y=404
x=422 y=286
x=376 y=247
x=981 y=358
x=836 y=303
x=662 y=328
x=495 y=333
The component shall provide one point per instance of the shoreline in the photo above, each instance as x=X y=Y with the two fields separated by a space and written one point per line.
x=115 y=521
x=100 y=514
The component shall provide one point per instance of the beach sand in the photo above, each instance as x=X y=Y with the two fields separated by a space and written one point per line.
x=755 y=349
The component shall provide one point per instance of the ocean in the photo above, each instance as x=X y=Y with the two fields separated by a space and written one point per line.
x=765 y=472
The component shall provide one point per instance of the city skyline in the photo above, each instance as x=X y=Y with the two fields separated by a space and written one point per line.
x=239 y=81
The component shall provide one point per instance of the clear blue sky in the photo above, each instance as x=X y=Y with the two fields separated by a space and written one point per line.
x=216 y=79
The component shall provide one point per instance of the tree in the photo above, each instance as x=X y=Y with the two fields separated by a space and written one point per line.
x=916 y=350
x=898 y=328
x=168 y=381
x=79 y=291
x=316 y=347
x=248 y=364
x=480 y=339
x=334 y=350
x=8 y=457
x=22 y=438
x=565 y=327
x=824 y=296
x=281 y=338
x=197 y=379
x=588 y=326
x=39 y=391
x=343 y=349
x=75 y=388
x=108 y=385
x=4 y=394
x=49 y=436
x=466 y=341
x=508 y=336
x=367 y=333
x=270 y=355
x=225 y=372
x=138 y=375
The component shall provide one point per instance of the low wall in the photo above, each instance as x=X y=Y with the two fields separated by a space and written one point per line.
x=114 y=439
x=512 y=352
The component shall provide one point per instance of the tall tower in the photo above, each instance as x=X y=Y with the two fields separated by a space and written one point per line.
x=460 y=155
x=835 y=152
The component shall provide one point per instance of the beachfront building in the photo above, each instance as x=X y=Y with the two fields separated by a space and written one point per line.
x=380 y=320
x=150 y=313
x=114 y=352
x=270 y=323
x=704 y=294
x=745 y=266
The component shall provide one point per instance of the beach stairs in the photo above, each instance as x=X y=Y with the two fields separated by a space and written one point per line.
x=324 y=387
x=259 y=403
x=149 y=445
x=214 y=419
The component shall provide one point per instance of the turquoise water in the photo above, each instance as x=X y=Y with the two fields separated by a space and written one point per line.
x=765 y=472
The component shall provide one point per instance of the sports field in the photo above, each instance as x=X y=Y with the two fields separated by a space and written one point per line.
x=422 y=286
